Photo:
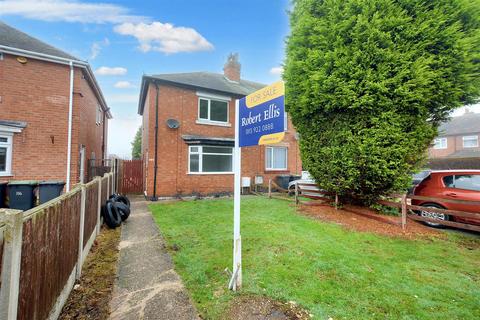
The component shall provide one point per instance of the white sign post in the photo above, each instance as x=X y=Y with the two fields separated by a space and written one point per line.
x=259 y=119
x=237 y=239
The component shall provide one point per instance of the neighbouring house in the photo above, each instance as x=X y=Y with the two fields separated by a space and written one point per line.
x=457 y=145
x=53 y=116
x=188 y=134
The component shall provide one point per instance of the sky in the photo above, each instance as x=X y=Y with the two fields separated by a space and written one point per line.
x=122 y=40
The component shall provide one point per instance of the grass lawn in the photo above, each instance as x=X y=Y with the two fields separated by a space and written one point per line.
x=327 y=270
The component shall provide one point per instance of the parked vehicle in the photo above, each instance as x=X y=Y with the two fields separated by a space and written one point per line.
x=417 y=178
x=449 y=184
x=306 y=178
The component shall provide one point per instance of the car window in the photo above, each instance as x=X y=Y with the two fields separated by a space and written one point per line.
x=467 y=182
x=448 y=181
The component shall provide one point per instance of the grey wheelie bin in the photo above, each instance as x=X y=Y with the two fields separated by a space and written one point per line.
x=48 y=190
x=3 y=194
x=21 y=194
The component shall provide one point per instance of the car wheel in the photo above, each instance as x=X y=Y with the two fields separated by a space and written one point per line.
x=433 y=215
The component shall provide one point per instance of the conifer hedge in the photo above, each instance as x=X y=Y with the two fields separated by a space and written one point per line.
x=369 y=81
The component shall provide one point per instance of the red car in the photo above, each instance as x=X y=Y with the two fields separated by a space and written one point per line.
x=449 y=184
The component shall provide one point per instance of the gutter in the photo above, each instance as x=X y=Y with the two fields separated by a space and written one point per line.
x=76 y=63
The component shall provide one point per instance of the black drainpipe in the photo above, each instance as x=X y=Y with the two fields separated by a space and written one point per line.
x=154 y=197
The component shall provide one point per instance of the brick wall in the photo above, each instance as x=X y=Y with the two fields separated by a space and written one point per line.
x=454 y=144
x=38 y=93
x=173 y=178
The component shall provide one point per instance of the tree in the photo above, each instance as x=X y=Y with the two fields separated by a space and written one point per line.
x=137 y=144
x=369 y=81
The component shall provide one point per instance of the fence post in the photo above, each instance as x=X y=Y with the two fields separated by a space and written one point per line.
x=404 y=211
x=270 y=188
x=99 y=205
x=12 y=256
x=108 y=185
x=296 y=194
x=82 y=227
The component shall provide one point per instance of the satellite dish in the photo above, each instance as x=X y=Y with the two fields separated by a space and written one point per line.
x=173 y=124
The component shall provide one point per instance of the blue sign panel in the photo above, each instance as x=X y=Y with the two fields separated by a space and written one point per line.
x=262 y=116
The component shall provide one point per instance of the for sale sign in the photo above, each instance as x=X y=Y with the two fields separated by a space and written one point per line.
x=262 y=116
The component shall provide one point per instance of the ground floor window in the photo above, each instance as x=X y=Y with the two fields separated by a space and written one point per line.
x=5 y=154
x=276 y=158
x=210 y=159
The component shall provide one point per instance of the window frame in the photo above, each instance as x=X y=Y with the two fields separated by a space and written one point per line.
x=9 y=146
x=98 y=116
x=470 y=138
x=200 y=158
x=267 y=168
x=208 y=120
x=441 y=147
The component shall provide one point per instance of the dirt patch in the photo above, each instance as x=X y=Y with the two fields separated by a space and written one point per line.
x=262 y=308
x=366 y=220
x=91 y=295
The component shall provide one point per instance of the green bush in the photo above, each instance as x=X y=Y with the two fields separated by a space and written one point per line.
x=368 y=82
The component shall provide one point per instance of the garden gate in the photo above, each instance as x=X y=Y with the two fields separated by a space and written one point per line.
x=131 y=176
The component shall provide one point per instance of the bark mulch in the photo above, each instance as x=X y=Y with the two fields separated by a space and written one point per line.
x=366 y=220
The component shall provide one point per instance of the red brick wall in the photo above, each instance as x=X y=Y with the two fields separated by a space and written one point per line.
x=173 y=177
x=38 y=93
x=454 y=143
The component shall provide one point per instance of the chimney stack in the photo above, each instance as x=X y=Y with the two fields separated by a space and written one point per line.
x=231 y=69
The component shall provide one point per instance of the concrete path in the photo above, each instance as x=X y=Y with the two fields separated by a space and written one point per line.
x=147 y=287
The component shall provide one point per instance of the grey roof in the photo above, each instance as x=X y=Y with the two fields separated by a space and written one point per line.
x=209 y=80
x=14 y=38
x=201 y=80
x=465 y=153
x=467 y=123
x=15 y=124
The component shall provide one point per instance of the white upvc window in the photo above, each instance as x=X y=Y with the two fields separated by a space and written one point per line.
x=6 y=154
x=210 y=160
x=213 y=110
x=98 y=116
x=470 y=141
x=276 y=158
x=440 y=143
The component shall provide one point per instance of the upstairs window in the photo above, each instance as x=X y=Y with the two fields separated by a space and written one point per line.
x=5 y=155
x=440 y=143
x=470 y=141
x=99 y=116
x=276 y=158
x=212 y=110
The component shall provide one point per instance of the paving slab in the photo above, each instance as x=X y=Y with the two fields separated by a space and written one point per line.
x=147 y=286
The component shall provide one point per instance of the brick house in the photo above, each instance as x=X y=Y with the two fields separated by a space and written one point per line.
x=52 y=111
x=194 y=114
x=458 y=138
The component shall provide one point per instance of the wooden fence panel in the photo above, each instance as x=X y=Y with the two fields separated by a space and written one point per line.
x=132 y=176
x=49 y=254
x=91 y=212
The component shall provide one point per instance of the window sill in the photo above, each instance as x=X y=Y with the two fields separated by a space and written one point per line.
x=6 y=174
x=277 y=170
x=214 y=123
x=208 y=173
